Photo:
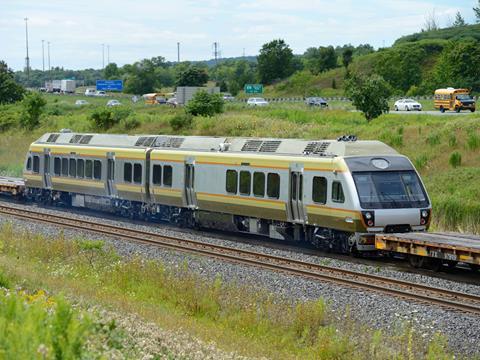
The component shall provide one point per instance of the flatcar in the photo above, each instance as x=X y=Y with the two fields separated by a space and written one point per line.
x=336 y=194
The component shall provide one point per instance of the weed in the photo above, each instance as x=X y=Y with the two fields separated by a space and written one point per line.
x=421 y=161
x=455 y=159
x=392 y=139
x=452 y=140
x=433 y=139
x=181 y=121
x=473 y=141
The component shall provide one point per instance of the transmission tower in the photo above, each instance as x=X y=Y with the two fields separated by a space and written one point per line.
x=216 y=52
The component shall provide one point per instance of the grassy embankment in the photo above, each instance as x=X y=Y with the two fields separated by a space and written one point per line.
x=234 y=316
x=427 y=140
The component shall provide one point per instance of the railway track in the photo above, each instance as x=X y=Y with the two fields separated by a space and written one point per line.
x=444 y=298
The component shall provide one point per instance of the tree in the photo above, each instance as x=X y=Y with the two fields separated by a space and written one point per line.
x=476 y=11
x=320 y=59
x=192 y=76
x=10 y=91
x=459 y=20
x=111 y=71
x=275 y=61
x=33 y=106
x=347 y=57
x=369 y=95
x=205 y=104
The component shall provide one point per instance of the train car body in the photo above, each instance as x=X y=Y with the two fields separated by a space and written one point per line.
x=335 y=194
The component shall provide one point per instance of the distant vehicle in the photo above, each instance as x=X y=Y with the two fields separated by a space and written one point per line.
x=100 y=93
x=257 y=102
x=90 y=92
x=111 y=103
x=155 y=98
x=81 y=102
x=42 y=89
x=316 y=101
x=407 y=105
x=172 y=102
x=228 y=97
x=68 y=86
x=454 y=99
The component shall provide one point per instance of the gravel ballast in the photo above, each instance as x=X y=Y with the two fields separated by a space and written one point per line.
x=374 y=310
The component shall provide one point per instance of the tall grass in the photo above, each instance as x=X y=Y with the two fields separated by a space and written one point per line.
x=233 y=315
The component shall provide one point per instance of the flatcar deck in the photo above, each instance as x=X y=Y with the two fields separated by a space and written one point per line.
x=10 y=185
x=440 y=245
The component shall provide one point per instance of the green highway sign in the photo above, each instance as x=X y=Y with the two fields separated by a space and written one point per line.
x=253 y=89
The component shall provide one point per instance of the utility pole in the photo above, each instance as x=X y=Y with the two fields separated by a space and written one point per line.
x=108 y=54
x=27 y=59
x=49 y=68
x=178 y=52
x=243 y=52
x=43 y=56
x=216 y=52
x=103 y=56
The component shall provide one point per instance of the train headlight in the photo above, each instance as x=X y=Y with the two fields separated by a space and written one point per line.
x=368 y=215
x=368 y=218
x=424 y=216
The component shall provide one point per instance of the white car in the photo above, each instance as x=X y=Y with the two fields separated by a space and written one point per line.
x=100 y=93
x=90 y=92
x=257 y=102
x=228 y=97
x=407 y=105
x=113 y=103
x=81 y=102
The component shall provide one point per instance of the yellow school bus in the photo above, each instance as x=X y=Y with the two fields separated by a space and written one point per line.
x=454 y=99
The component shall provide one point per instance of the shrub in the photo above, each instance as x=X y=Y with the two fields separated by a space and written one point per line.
x=120 y=113
x=102 y=119
x=129 y=123
x=33 y=106
x=205 y=104
x=455 y=159
x=473 y=141
x=181 y=121
x=421 y=161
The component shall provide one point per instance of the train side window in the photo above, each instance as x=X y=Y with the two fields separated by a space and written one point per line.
x=337 y=192
x=319 y=190
x=157 y=175
x=127 y=172
x=29 y=163
x=245 y=182
x=57 y=166
x=73 y=168
x=259 y=184
x=273 y=185
x=80 y=168
x=231 y=182
x=64 y=166
x=88 y=169
x=137 y=173
x=97 y=169
x=36 y=164
x=167 y=175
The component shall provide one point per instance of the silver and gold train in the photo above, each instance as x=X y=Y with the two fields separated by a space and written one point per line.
x=335 y=194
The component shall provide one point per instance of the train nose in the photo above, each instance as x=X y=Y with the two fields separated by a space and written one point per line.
x=397 y=220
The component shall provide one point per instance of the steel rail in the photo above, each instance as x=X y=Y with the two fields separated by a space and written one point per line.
x=409 y=291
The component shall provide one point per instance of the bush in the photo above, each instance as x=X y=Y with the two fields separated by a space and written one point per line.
x=33 y=106
x=102 y=119
x=455 y=159
x=181 y=121
x=129 y=123
x=205 y=104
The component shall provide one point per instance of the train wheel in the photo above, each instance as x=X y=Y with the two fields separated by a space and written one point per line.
x=416 y=261
x=451 y=264
x=434 y=264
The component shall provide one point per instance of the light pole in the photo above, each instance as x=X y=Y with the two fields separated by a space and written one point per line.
x=27 y=59
x=49 y=68
x=108 y=54
x=43 y=55
x=103 y=56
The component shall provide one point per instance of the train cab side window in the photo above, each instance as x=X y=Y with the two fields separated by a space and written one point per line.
x=88 y=169
x=57 y=166
x=337 y=192
x=97 y=169
x=273 y=185
x=127 y=172
x=245 y=182
x=137 y=173
x=73 y=168
x=80 y=168
x=36 y=164
x=231 y=181
x=29 y=163
x=64 y=167
x=167 y=175
x=259 y=184
x=319 y=190
x=157 y=175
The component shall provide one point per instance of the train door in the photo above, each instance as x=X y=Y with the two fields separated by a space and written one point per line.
x=148 y=175
x=111 y=188
x=296 y=206
x=47 y=176
x=190 y=197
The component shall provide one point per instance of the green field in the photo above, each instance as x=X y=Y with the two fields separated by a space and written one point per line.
x=427 y=140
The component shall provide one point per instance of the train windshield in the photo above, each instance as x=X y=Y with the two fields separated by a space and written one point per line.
x=390 y=190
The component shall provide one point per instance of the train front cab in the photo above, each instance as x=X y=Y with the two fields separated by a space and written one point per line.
x=389 y=195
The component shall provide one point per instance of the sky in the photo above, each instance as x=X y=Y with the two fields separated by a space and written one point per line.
x=133 y=30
